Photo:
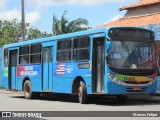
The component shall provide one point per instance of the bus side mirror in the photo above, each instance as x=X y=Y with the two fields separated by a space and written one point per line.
x=108 y=45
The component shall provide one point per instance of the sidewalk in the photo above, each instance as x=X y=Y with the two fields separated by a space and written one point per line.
x=2 y=90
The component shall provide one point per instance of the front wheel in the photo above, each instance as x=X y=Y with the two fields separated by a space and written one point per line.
x=28 y=91
x=82 y=93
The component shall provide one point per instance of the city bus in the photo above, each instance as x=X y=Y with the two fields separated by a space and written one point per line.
x=113 y=61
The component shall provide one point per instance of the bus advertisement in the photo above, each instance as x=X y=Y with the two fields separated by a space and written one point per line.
x=117 y=61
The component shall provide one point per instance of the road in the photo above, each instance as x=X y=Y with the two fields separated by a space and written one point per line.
x=15 y=101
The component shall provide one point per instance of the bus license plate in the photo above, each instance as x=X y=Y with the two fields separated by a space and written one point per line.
x=136 y=88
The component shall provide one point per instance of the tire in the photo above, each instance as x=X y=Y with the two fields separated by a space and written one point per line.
x=122 y=98
x=82 y=93
x=28 y=91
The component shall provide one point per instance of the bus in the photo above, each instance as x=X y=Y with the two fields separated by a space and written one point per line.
x=114 y=61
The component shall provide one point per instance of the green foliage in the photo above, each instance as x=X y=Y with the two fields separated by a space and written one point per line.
x=10 y=32
x=63 y=26
x=35 y=34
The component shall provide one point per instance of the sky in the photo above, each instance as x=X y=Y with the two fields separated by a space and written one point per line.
x=39 y=13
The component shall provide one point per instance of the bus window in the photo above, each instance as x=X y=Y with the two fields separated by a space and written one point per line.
x=5 y=57
x=23 y=60
x=64 y=51
x=24 y=55
x=81 y=49
x=45 y=55
x=51 y=54
x=35 y=54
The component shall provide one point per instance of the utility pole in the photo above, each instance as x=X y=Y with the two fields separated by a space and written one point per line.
x=23 y=21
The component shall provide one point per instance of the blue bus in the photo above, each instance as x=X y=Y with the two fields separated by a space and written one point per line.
x=116 y=61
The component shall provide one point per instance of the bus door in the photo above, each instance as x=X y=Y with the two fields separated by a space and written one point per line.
x=98 y=64
x=12 y=69
x=47 y=66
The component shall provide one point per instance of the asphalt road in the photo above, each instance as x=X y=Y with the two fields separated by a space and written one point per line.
x=15 y=101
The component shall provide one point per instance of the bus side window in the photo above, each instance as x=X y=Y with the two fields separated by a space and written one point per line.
x=5 y=57
x=45 y=55
x=81 y=49
x=24 y=55
x=51 y=54
x=64 y=51
x=35 y=54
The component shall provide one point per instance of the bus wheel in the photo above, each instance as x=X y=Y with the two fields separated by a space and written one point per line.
x=122 y=98
x=82 y=93
x=28 y=91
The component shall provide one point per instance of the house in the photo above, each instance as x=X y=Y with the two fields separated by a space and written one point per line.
x=145 y=13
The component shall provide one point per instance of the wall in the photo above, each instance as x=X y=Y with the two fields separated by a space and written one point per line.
x=143 y=10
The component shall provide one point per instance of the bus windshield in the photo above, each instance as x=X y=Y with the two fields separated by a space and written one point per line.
x=131 y=55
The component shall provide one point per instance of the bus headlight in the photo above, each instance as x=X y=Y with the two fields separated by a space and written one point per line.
x=115 y=80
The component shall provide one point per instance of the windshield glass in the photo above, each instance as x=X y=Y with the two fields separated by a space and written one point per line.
x=131 y=55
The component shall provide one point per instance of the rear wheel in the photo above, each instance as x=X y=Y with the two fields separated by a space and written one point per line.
x=82 y=93
x=28 y=91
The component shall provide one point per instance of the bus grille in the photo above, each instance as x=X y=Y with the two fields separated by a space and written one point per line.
x=135 y=82
x=130 y=89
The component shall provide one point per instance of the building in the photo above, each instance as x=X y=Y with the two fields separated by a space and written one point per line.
x=145 y=13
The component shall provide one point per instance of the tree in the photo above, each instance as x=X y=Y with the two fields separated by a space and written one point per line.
x=10 y=32
x=63 y=26
x=34 y=33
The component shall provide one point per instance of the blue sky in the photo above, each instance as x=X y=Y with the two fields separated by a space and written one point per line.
x=39 y=13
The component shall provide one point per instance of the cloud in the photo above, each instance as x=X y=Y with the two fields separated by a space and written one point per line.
x=93 y=3
x=30 y=17
x=33 y=17
x=116 y=17
x=10 y=15
x=48 y=3
x=3 y=4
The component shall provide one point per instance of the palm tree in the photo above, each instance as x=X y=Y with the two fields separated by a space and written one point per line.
x=64 y=26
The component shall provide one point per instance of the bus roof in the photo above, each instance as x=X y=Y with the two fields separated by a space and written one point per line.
x=63 y=36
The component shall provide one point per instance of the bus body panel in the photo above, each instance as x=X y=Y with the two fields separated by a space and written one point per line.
x=64 y=85
x=5 y=83
x=35 y=82
x=13 y=80
x=65 y=74
x=33 y=73
x=12 y=68
x=114 y=89
x=5 y=78
x=20 y=83
x=47 y=61
x=51 y=76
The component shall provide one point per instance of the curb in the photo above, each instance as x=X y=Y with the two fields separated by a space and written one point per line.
x=3 y=91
